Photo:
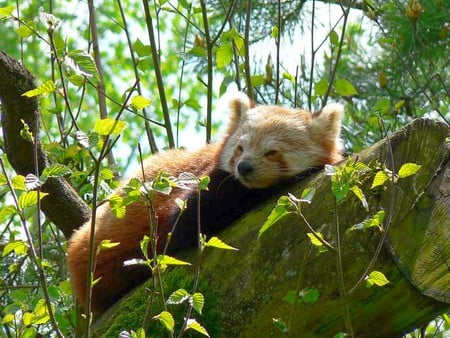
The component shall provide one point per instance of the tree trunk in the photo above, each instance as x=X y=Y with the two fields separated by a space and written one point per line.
x=244 y=290
x=62 y=206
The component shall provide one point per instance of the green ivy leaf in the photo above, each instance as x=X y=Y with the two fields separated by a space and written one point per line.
x=215 y=242
x=376 y=278
x=379 y=179
x=166 y=319
x=45 y=88
x=109 y=126
x=345 y=88
x=408 y=169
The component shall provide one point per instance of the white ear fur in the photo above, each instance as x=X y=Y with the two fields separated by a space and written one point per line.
x=328 y=121
x=238 y=103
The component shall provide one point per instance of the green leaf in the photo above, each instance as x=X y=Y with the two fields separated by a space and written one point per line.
x=276 y=214
x=345 y=88
x=198 y=301
x=106 y=244
x=27 y=318
x=274 y=32
x=375 y=221
x=309 y=295
x=166 y=319
x=258 y=80
x=139 y=102
x=18 y=183
x=339 y=335
x=314 y=240
x=45 y=88
x=40 y=313
x=215 y=242
x=280 y=325
x=321 y=87
x=408 y=169
x=6 y=11
x=376 y=278
x=30 y=198
x=334 y=38
x=144 y=243
x=379 y=179
x=8 y=318
x=382 y=106
x=168 y=260
x=109 y=126
x=289 y=77
x=307 y=195
x=178 y=296
x=291 y=297
x=224 y=55
x=203 y=183
x=26 y=29
x=194 y=325
x=85 y=64
x=141 y=49
x=193 y=103
x=55 y=170
x=358 y=193
x=18 y=247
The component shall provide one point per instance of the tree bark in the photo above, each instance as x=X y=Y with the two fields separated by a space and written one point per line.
x=62 y=206
x=244 y=290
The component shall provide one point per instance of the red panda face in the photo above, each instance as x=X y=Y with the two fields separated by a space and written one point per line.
x=270 y=144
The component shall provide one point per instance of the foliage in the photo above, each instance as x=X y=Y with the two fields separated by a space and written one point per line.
x=101 y=96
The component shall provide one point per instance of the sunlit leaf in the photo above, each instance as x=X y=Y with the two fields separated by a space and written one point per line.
x=30 y=198
x=218 y=243
x=358 y=193
x=109 y=126
x=379 y=179
x=376 y=278
x=375 y=221
x=84 y=63
x=26 y=30
x=18 y=247
x=321 y=87
x=56 y=170
x=8 y=318
x=178 y=296
x=139 y=102
x=166 y=319
x=307 y=195
x=309 y=295
x=6 y=11
x=224 y=55
x=45 y=88
x=198 y=300
x=408 y=169
x=314 y=240
x=40 y=312
x=106 y=244
x=169 y=260
x=194 y=325
x=27 y=318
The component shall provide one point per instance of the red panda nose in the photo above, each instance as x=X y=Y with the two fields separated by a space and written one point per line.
x=245 y=168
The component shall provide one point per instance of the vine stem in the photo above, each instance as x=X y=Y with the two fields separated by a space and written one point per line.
x=343 y=295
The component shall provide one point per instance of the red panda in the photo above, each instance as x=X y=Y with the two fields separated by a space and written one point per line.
x=264 y=147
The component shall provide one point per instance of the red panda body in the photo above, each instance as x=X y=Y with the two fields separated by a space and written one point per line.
x=264 y=148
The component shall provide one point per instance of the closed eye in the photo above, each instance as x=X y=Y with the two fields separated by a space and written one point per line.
x=270 y=153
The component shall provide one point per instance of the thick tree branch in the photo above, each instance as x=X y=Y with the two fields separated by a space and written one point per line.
x=62 y=206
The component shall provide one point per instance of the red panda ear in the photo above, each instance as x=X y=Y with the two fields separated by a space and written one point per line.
x=326 y=124
x=238 y=103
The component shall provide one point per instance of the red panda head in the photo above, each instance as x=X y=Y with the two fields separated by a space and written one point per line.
x=267 y=144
